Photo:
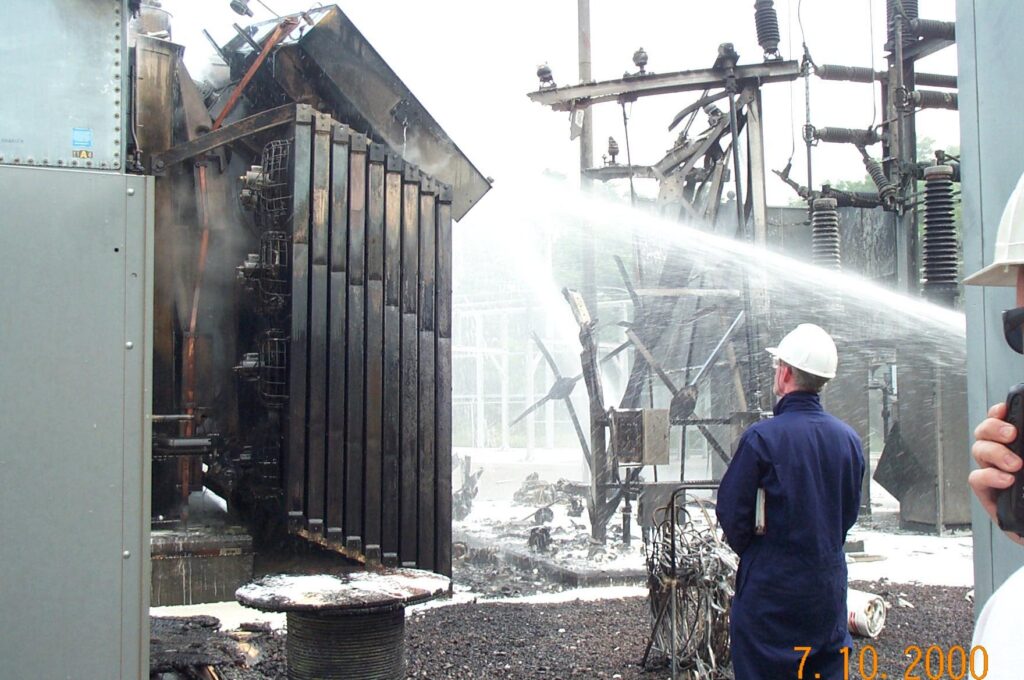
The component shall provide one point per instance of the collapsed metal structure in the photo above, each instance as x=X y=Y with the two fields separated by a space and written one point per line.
x=302 y=362
x=686 y=313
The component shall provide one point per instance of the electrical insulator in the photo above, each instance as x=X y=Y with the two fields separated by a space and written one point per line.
x=835 y=135
x=855 y=74
x=714 y=114
x=767 y=21
x=547 y=80
x=613 y=149
x=640 y=60
x=892 y=14
x=886 y=191
x=825 y=234
x=940 y=250
x=935 y=99
x=931 y=28
x=241 y=7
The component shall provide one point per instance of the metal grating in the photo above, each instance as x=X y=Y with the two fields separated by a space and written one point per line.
x=273 y=369
x=274 y=197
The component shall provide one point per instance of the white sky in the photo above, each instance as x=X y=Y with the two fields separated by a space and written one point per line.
x=471 y=63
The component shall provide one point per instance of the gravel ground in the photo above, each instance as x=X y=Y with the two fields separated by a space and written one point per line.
x=605 y=639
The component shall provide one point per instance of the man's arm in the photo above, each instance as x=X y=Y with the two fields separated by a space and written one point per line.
x=851 y=509
x=738 y=493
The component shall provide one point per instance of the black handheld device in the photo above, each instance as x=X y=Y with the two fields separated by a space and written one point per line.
x=1010 y=502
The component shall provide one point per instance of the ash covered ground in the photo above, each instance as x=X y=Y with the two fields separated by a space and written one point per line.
x=598 y=639
x=512 y=622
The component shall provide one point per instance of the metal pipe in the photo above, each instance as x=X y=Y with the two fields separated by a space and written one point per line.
x=734 y=131
x=629 y=161
x=588 y=253
x=637 y=245
x=808 y=129
x=587 y=135
x=718 y=348
x=672 y=592
x=898 y=27
x=246 y=37
x=282 y=30
x=216 y=47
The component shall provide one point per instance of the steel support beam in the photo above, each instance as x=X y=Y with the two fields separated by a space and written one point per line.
x=755 y=157
x=632 y=88
x=228 y=134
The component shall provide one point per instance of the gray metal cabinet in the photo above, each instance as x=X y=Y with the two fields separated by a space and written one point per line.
x=75 y=333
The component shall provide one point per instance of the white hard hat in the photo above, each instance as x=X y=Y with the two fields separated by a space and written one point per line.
x=1009 y=253
x=809 y=348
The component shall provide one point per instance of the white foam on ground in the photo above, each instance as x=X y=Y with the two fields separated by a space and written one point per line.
x=915 y=558
x=231 y=614
x=355 y=588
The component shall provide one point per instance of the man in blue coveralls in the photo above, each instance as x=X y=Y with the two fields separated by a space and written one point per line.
x=789 y=613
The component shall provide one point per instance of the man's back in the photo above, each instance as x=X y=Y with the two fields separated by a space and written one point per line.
x=810 y=465
x=813 y=486
x=791 y=585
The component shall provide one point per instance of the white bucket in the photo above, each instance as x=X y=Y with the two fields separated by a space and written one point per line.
x=866 y=613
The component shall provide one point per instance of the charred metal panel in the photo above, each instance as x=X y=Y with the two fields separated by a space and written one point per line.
x=428 y=234
x=335 y=475
x=344 y=69
x=368 y=451
x=391 y=444
x=319 y=307
x=374 y=401
x=299 y=344
x=929 y=449
x=408 y=508
x=356 y=346
x=443 y=384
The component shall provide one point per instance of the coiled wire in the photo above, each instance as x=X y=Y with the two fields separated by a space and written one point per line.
x=702 y=579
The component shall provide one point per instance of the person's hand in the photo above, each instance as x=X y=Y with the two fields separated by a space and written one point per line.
x=996 y=462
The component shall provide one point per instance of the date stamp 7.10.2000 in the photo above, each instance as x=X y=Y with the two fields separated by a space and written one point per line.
x=923 y=663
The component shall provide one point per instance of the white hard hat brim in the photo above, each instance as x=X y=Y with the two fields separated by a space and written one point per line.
x=774 y=351
x=996 y=274
x=1008 y=253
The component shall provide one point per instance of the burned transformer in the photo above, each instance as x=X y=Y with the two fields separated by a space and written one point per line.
x=302 y=336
